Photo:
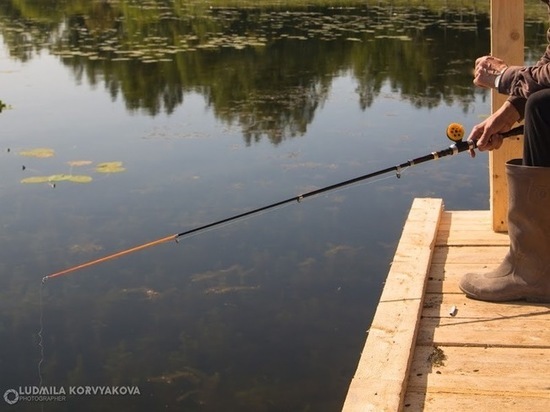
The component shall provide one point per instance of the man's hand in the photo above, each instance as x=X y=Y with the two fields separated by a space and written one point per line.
x=485 y=138
x=487 y=133
x=487 y=68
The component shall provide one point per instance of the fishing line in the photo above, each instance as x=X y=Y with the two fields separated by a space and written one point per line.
x=370 y=182
x=41 y=342
x=455 y=132
x=40 y=339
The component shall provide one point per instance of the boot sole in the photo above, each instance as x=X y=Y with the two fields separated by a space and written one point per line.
x=529 y=299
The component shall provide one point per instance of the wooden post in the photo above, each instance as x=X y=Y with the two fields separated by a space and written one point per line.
x=507 y=42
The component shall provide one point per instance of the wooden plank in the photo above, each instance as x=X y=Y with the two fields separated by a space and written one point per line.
x=452 y=402
x=479 y=220
x=438 y=306
x=444 y=278
x=470 y=227
x=472 y=238
x=461 y=255
x=480 y=371
x=507 y=42
x=449 y=264
x=479 y=378
x=525 y=330
x=380 y=380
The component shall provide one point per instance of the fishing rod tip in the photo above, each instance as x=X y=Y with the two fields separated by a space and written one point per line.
x=44 y=279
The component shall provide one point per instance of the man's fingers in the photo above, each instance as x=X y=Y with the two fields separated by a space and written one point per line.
x=483 y=142
x=489 y=143
x=497 y=141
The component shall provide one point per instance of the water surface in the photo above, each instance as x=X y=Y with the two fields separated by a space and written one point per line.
x=212 y=113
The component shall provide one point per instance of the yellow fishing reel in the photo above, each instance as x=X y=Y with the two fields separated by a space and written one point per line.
x=455 y=132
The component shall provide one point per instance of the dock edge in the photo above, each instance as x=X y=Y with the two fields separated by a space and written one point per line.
x=380 y=380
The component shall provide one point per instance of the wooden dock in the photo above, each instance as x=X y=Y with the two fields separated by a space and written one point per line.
x=430 y=348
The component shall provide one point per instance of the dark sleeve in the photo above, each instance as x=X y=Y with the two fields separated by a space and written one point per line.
x=519 y=104
x=522 y=81
x=519 y=82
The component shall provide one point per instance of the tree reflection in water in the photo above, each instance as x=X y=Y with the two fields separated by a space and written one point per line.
x=221 y=338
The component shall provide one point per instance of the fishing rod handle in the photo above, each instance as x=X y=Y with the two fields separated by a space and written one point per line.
x=513 y=132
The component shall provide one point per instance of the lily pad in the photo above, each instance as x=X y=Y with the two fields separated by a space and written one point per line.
x=58 y=178
x=110 y=167
x=76 y=163
x=36 y=179
x=41 y=152
x=79 y=179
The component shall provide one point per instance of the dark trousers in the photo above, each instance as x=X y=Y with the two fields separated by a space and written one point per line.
x=536 y=146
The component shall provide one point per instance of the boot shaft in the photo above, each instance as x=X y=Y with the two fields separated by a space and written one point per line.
x=528 y=195
x=529 y=218
x=525 y=271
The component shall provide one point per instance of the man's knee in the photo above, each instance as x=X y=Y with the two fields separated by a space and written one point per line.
x=538 y=104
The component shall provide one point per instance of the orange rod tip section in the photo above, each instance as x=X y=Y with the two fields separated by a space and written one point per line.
x=109 y=257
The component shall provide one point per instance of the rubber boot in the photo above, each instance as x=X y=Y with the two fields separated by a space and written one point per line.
x=525 y=272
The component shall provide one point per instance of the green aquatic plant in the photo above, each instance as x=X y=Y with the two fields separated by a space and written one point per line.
x=106 y=167
x=40 y=152
x=110 y=167
x=78 y=163
x=58 y=178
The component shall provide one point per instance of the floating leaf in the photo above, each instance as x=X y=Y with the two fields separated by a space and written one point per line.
x=38 y=152
x=58 y=178
x=76 y=163
x=79 y=179
x=110 y=167
x=36 y=179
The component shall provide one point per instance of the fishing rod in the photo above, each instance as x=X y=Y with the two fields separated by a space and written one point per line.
x=455 y=132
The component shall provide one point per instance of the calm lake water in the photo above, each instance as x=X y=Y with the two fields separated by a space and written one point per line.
x=212 y=112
